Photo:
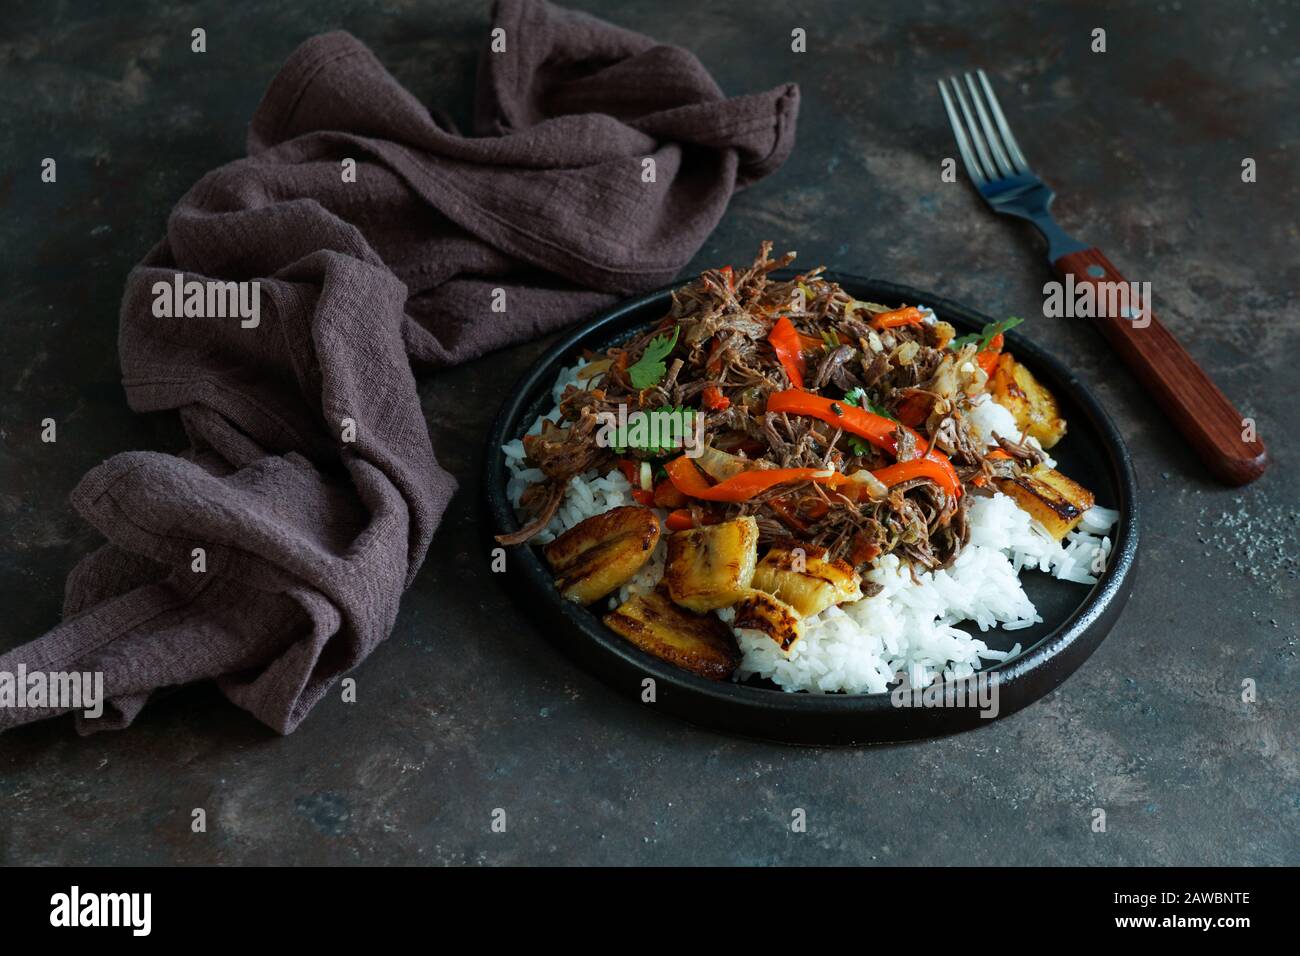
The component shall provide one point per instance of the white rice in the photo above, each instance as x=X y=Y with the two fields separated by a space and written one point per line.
x=907 y=631
x=587 y=495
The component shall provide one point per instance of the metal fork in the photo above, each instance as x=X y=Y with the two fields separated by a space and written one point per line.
x=1224 y=440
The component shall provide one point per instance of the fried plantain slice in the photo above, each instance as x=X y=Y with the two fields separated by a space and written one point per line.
x=599 y=554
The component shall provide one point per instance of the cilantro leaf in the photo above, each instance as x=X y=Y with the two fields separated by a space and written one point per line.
x=656 y=432
x=649 y=369
x=858 y=398
x=986 y=335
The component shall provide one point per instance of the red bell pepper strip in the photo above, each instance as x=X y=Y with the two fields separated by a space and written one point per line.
x=681 y=520
x=909 y=315
x=856 y=421
x=916 y=468
x=943 y=473
x=631 y=471
x=988 y=359
x=810 y=343
x=713 y=399
x=643 y=497
x=877 y=429
x=785 y=342
x=689 y=481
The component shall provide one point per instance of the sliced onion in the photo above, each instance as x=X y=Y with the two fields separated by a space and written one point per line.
x=876 y=488
x=720 y=465
x=592 y=369
x=647 y=476
x=946 y=380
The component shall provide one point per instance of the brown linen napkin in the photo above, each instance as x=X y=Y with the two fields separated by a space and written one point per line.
x=309 y=539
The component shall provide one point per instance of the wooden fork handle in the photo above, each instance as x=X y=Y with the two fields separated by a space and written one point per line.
x=1223 y=439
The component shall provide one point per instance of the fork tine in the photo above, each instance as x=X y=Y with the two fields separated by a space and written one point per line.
x=990 y=133
x=1017 y=157
x=963 y=145
x=973 y=131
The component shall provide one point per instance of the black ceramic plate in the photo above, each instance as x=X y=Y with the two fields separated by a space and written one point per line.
x=1075 y=617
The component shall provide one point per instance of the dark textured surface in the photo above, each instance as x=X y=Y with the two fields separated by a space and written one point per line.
x=466 y=708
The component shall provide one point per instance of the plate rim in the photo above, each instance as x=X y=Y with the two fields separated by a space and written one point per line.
x=1022 y=680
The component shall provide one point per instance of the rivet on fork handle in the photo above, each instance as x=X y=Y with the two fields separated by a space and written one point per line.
x=1202 y=413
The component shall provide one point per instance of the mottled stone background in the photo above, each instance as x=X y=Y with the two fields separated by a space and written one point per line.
x=466 y=708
